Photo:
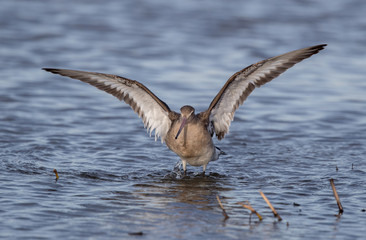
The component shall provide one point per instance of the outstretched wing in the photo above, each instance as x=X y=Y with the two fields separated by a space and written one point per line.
x=222 y=108
x=153 y=111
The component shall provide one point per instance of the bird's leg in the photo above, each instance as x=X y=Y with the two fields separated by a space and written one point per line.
x=204 y=170
x=184 y=167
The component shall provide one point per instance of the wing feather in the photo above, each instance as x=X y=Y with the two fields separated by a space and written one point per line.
x=222 y=108
x=154 y=112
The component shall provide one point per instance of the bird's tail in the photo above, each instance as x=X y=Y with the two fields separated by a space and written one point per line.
x=218 y=153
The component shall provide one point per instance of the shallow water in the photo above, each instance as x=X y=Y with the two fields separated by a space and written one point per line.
x=288 y=139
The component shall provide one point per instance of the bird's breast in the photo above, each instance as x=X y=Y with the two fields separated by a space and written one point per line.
x=194 y=140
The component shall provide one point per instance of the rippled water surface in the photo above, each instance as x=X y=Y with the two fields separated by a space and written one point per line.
x=288 y=139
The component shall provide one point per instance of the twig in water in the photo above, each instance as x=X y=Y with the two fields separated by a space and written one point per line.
x=270 y=205
x=336 y=195
x=222 y=207
x=135 y=233
x=55 y=171
x=248 y=206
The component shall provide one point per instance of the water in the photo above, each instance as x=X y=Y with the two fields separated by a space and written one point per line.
x=288 y=139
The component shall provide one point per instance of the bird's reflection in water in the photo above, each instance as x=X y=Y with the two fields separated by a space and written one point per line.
x=196 y=191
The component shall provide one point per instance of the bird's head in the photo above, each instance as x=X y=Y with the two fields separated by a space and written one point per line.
x=186 y=112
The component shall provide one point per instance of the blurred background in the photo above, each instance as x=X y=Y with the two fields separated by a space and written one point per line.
x=288 y=139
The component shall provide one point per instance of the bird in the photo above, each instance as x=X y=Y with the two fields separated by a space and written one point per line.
x=189 y=134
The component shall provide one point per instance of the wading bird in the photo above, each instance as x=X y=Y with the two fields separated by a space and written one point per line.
x=188 y=134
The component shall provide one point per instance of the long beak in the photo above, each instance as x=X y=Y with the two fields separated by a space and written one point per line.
x=181 y=127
